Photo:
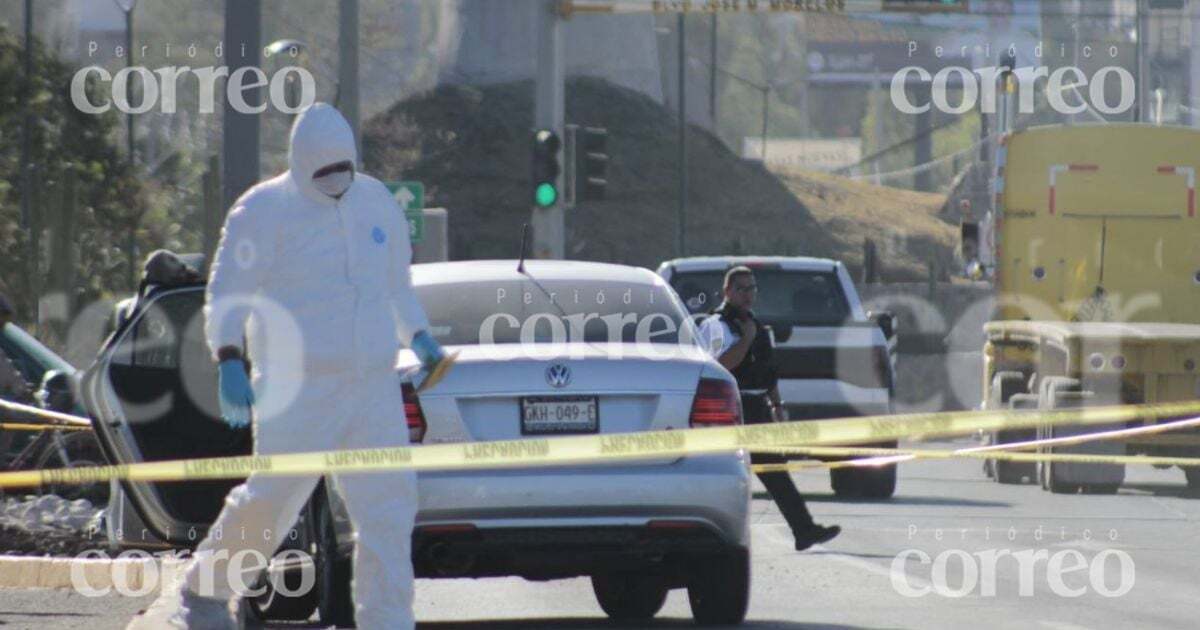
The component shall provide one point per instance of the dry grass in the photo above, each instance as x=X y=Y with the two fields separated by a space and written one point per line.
x=904 y=224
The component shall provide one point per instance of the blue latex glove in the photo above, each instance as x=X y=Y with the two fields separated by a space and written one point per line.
x=428 y=350
x=435 y=363
x=236 y=396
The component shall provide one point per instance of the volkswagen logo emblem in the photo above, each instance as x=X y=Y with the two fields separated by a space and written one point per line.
x=558 y=375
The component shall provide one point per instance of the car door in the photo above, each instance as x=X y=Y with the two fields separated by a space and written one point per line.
x=152 y=396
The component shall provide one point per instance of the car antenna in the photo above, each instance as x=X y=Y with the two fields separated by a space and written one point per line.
x=524 y=246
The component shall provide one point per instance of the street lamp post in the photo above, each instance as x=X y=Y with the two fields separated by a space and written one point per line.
x=27 y=222
x=127 y=7
x=681 y=210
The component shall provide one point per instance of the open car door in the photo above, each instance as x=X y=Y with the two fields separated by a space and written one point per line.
x=152 y=396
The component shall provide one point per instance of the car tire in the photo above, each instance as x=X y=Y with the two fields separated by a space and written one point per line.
x=628 y=596
x=335 y=602
x=864 y=482
x=1005 y=385
x=273 y=605
x=1192 y=474
x=1012 y=473
x=719 y=589
x=1049 y=399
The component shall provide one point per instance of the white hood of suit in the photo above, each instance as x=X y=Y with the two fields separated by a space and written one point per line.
x=320 y=137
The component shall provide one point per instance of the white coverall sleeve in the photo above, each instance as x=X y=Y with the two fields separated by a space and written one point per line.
x=239 y=266
x=715 y=336
x=406 y=308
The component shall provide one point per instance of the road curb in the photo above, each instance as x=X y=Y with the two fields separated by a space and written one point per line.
x=96 y=573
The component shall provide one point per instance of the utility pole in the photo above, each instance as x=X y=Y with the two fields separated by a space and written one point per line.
x=766 y=92
x=27 y=222
x=127 y=7
x=348 y=68
x=549 y=232
x=129 y=84
x=712 y=70
x=240 y=138
x=923 y=147
x=26 y=128
x=1142 y=49
x=877 y=99
x=681 y=214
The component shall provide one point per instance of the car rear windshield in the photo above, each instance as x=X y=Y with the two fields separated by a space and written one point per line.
x=471 y=313
x=801 y=298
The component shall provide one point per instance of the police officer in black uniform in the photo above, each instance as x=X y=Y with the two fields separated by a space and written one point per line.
x=743 y=346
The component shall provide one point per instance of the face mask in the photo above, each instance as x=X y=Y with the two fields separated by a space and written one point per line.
x=334 y=184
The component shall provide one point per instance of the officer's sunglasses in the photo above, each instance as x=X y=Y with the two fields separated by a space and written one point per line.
x=746 y=288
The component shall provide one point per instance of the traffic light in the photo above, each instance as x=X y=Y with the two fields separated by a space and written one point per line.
x=592 y=163
x=547 y=157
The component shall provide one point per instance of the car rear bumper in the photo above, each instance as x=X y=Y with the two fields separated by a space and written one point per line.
x=711 y=491
x=672 y=549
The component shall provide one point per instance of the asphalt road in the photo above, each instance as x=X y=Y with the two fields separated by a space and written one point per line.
x=1081 y=562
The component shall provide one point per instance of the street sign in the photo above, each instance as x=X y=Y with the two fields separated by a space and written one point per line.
x=411 y=197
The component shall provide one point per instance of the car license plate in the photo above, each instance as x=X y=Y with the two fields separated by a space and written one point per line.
x=542 y=415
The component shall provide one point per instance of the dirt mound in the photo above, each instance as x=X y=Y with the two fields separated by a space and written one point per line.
x=471 y=147
x=905 y=225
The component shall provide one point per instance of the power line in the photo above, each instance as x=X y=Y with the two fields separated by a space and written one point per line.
x=903 y=143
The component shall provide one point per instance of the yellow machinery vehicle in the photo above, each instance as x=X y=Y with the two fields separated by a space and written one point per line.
x=1093 y=247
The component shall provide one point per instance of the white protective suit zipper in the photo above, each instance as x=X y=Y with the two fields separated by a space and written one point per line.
x=348 y=245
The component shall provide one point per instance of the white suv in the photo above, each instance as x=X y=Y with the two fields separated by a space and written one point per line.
x=834 y=360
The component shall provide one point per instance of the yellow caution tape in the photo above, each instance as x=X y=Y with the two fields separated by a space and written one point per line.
x=583 y=449
x=883 y=456
x=19 y=426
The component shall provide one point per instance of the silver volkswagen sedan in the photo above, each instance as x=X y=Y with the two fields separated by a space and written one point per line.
x=552 y=348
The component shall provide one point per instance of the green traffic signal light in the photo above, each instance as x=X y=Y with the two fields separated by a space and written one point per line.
x=545 y=168
x=545 y=195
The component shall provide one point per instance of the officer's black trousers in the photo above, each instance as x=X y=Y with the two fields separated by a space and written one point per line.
x=779 y=484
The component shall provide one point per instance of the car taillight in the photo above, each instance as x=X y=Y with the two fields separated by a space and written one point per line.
x=717 y=403
x=413 y=413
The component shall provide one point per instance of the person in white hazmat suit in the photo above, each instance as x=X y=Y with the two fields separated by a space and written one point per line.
x=313 y=268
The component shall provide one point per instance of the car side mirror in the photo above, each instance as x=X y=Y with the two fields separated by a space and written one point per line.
x=886 y=321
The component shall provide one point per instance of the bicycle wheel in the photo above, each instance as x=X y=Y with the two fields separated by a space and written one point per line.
x=82 y=450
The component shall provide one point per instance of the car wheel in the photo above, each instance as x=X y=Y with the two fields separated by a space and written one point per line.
x=1055 y=485
x=273 y=604
x=1012 y=473
x=719 y=589
x=629 y=596
x=334 y=572
x=1005 y=385
x=881 y=482
x=1193 y=477
x=867 y=482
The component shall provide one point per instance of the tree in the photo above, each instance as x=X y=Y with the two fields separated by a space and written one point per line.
x=70 y=151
